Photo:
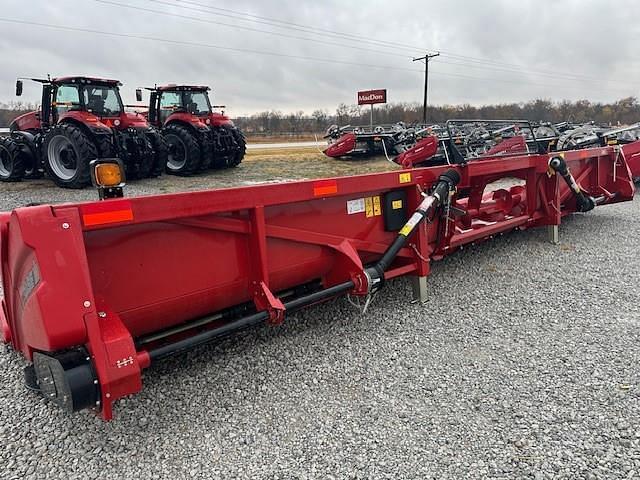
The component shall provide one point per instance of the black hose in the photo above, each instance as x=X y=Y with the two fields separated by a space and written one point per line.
x=584 y=203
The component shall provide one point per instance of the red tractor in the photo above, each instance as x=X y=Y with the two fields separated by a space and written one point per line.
x=80 y=119
x=198 y=138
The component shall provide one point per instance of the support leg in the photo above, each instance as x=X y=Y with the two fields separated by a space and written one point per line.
x=554 y=236
x=419 y=285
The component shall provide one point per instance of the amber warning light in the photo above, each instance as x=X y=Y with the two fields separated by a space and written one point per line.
x=107 y=175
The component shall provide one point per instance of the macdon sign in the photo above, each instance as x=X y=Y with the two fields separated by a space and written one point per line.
x=369 y=97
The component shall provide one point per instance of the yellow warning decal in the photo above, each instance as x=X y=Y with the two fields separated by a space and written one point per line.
x=405 y=177
x=406 y=230
x=411 y=224
x=396 y=204
x=376 y=206
x=368 y=207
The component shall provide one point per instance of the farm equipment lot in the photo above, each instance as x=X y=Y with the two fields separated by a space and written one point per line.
x=522 y=364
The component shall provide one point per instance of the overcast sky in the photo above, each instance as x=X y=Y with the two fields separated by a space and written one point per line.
x=492 y=51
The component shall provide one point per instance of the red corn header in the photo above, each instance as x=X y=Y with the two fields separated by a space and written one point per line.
x=96 y=292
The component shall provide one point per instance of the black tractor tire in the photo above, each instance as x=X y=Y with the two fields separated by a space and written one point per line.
x=225 y=146
x=160 y=152
x=66 y=152
x=29 y=154
x=145 y=160
x=238 y=155
x=184 y=151
x=104 y=145
x=206 y=150
x=32 y=169
x=11 y=165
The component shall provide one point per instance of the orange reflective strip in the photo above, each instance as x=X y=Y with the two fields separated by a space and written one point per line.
x=100 y=218
x=318 y=191
x=325 y=187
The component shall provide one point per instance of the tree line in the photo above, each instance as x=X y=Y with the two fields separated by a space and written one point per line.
x=274 y=122
x=624 y=111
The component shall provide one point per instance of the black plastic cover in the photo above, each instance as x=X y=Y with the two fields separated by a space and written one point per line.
x=67 y=379
x=394 y=209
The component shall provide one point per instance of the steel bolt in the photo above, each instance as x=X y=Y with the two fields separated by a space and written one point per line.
x=87 y=303
x=102 y=314
x=108 y=395
x=65 y=225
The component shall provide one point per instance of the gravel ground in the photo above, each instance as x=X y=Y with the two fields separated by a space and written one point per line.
x=523 y=364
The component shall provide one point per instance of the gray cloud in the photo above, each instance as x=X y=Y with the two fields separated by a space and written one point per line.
x=595 y=39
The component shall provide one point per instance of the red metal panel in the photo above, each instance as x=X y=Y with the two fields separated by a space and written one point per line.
x=47 y=280
x=342 y=146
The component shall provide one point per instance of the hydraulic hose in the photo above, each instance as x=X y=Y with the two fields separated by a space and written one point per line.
x=584 y=203
x=440 y=194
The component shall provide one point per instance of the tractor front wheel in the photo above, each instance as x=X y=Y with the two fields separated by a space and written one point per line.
x=241 y=148
x=160 y=152
x=67 y=152
x=184 y=152
x=11 y=165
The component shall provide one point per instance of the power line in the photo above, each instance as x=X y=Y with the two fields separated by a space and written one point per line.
x=267 y=53
x=276 y=23
x=206 y=45
x=213 y=22
x=307 y=27
x=465 y=59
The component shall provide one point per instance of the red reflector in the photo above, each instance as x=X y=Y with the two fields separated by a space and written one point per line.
x=110 y=211
x=324 y=187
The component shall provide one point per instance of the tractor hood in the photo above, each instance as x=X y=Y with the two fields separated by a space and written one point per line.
x=184 y=117
x=26 y=121
x=219 y=119
x=126 y=120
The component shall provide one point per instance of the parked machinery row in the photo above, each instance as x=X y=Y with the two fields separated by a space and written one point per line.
x=433 y=144
x=83 y=118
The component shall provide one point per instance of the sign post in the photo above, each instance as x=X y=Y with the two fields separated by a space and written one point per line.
x=371 y=97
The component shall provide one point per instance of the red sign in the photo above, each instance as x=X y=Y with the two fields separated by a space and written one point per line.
x=369 y=97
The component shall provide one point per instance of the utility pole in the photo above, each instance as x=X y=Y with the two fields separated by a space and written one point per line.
x=426 y=59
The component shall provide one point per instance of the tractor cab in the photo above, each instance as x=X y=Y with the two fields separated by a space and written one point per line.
x=96 y=96
x=88 y=100
x=184 y=100
x=96 y=99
